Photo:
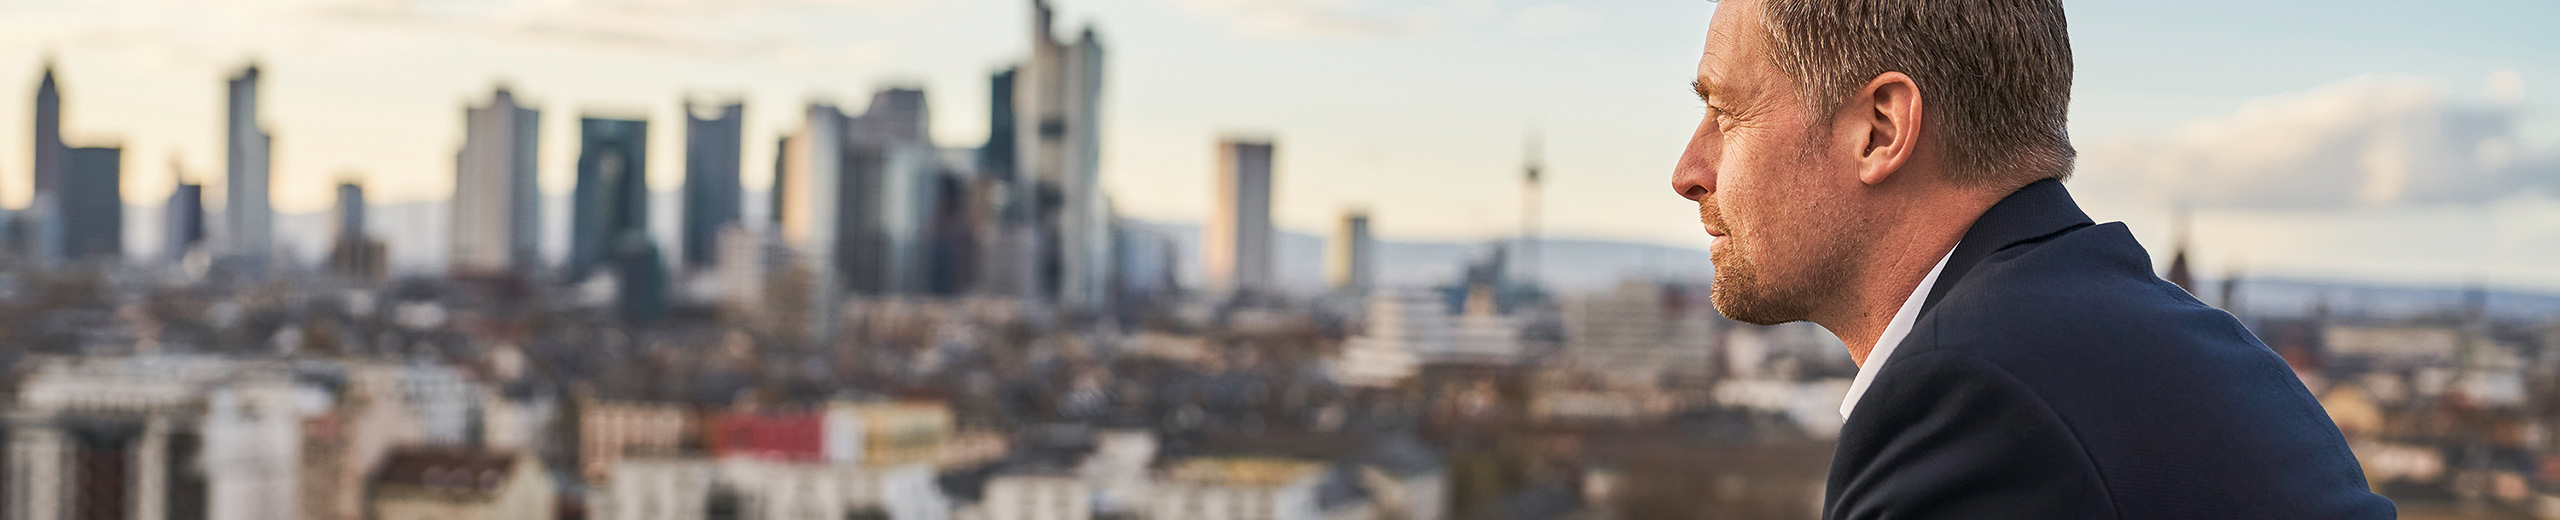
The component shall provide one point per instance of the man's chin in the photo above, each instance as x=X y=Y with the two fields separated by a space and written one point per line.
x=1739 y=304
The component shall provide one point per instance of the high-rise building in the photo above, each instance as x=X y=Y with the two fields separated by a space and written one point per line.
x=1532 y=194
x=248 y=220
x=890 y=170
x=183 y=221
x=612 y=196
x=640 y=274
x=351 y=207
x=42 y=217
x=1236 y=248
x=856 y=197
x=808 y=189
x=1009 y=238
x=496 y=204
x=712 y=195
x=1149 y=263
x=959 y=217
x=354 y=253
x=77 y=209
x=1352 y=262
x=997 y=155
x=90 y=205
x=1058 y=135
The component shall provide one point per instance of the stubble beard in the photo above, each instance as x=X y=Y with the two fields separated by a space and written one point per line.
x=1741 y=290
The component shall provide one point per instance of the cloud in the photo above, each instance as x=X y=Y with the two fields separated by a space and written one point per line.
x=1554 y=20
x=1313 y=18
x=2371 y=141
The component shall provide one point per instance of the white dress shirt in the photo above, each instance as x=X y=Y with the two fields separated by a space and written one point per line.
x=1893 y=334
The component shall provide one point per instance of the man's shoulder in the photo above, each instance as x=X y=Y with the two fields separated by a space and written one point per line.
x=2154 y=385
x=2075 y=293
x=2081 y=320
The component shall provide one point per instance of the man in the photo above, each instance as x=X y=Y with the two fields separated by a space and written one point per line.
x=1891 y=170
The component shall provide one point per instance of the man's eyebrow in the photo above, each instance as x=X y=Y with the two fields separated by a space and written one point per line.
x=1700 y=85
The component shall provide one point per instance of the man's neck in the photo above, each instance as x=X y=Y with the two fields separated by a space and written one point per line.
x=1900 y=258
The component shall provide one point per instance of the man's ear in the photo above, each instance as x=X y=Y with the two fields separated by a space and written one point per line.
x=1889 y=109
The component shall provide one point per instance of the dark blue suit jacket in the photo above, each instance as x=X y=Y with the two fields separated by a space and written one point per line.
x=2051 y=375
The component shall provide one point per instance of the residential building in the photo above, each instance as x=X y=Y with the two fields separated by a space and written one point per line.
x=608 y=431
x=654 y=488
x=798 y=436
x=446 y=403
x=253 y=434
x=1481 y=334
x=158 y=437
x=1640 y=330
x=1119 y=470
x=105 y=439
x=343 y=444
x=1238 y=488
x=1033 y=496
x=462 y=484
x=1398 y=328
x=887 y=433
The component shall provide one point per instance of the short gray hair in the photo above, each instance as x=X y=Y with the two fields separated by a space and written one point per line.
x=1996 y=73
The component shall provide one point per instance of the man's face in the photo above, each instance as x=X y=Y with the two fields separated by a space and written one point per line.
x=1768 y=184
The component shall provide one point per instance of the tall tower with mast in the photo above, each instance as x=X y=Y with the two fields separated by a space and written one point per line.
x=1531 y=193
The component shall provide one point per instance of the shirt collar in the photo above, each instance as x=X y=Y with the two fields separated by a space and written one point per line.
x=1892 y=337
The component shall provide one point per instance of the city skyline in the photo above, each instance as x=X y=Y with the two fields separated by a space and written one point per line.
x=1599 y=82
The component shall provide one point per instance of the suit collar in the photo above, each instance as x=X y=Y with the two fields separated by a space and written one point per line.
x=2033 y=213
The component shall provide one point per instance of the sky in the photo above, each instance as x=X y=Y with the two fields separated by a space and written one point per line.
x=2388 y=142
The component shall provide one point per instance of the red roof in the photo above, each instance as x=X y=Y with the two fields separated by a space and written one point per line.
x=791 y=436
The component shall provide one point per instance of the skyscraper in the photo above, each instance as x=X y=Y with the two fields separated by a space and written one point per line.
x=1236 y=248
x=354 y=254
x=711 y=192
x=496 y=205
x=42 y=216
x=351 y=208
x=183 y=220
x=1352 y=262
x=1058 y=103
x=248 y=220
x=890 y=167
x=1011 y=239
x=89 y=219
x=612 y=196
x=807 y=193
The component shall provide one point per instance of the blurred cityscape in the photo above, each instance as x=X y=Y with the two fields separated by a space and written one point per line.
x=912 y=330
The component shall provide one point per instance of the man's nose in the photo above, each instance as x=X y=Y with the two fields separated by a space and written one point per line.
x=1694 y=177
